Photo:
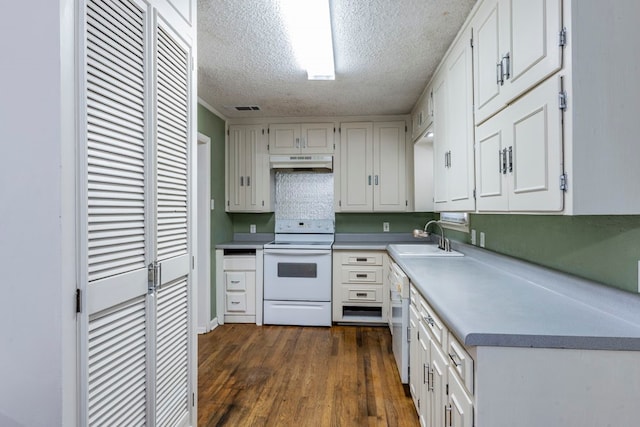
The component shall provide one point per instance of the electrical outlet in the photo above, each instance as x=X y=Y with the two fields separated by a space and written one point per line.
x=473 y=237
x=252 y=228
x=385 y=227
x=482 y=239
x=213 y=204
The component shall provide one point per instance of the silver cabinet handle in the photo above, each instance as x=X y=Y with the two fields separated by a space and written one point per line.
x=511 y=159
x=369 y=179
x=304 y=142
x=504 y=161
x=447 y=416
x=248 y=181
x=297 y=142
x=507 y=67
x=499 y=74
x=242 y=181
x=500 y=168
x=455 y=359
x=376 y=179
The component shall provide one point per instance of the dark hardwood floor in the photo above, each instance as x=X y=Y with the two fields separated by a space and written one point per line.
x=300 y=376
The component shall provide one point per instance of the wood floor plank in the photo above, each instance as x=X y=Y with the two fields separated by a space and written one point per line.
x=300 y=376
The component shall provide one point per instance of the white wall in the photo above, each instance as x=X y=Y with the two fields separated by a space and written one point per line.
x=37 y=324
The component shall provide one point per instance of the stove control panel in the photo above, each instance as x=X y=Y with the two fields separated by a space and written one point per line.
x=318 y=226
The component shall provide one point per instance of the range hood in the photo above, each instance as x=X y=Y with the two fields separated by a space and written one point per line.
x=300 y=161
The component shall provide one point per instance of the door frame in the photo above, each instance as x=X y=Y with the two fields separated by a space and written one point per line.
x=203 y=248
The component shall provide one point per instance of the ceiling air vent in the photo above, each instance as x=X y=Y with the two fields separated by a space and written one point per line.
x=248 y=108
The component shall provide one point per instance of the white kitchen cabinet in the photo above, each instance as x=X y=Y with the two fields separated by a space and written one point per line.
x=360 y=293
x=373 y=167
x=519 y=155
x=305 y=138
x=459 y=408
x=240 y=288
x=453 y=131
x=248 y=175
x=517 y=45
x=422 y=114
x=416 y=379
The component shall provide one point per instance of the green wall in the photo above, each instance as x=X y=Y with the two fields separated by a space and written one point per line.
x=601 y=248
x=221 y=226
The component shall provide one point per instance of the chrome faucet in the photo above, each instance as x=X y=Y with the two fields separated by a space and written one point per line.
x=443 y=242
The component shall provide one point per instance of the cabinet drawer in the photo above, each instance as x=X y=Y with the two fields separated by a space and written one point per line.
x=236 y=302
x=364 y=258
x=236 y=281
x=414 y=297
x=434 y=324
x=362 y=294
x=239 y=262
x=461 y=362
x=362 y=275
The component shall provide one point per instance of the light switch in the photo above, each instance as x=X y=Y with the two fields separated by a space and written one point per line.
x=473 y=237
x=252 y=228
x=482 y=239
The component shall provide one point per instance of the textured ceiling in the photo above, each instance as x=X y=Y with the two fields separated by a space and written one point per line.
x=385 y=53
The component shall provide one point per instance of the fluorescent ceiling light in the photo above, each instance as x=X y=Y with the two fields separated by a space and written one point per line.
x=309 y=26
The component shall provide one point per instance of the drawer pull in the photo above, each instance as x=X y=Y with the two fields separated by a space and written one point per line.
x=361 y=259
x=429 y=320
x=455 y=359
x=235 y=302
x=235 y=282
x=361 y=294
x=362 y=276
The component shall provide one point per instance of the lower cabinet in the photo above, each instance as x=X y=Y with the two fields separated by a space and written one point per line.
x=240 y=280
x=359 y=293
x=440 y=370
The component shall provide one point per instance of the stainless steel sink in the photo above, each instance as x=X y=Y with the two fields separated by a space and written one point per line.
x=422 y=250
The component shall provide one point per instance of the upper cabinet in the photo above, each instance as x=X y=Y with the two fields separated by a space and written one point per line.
x=373 y=167
x=453 y=130
x=517 y=44
x=422 y=114
x=248 y=175
x=306 y=138
x=519 y=155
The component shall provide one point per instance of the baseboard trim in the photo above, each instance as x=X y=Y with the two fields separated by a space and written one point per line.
x=213 y=324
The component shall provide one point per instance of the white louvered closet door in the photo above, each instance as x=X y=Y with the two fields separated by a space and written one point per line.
x=136 y=328
x=172 y=394
x=116 y=212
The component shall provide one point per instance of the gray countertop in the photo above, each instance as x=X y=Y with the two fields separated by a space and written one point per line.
x=372 y=241
x=247 y=241
x=487 y=299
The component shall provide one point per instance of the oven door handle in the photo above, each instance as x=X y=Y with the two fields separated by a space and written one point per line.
x=297 y=252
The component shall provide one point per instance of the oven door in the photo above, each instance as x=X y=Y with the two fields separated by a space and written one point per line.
x=297 y=275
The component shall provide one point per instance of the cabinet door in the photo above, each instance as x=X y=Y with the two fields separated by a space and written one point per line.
x=459 y=409
x=516 y=46
x=534 y=135
x=531 y=39
x=425 y=409
x=235 y=169
x=284 y=139
x=487 y=72
x=416 y=371
x=440 y=147
x=254 y=168
x=438 y=383
x=389 y=160
x=459 y=125
x=356 y=167
x=317 y=138
x=491 y=166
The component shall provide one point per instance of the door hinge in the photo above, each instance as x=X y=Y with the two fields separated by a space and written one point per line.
x=562 y=37
x=193 y=399
x=339 y=202
x=193 y=262
x=471 y=41
x=562 y=100
x=78 y=301
x=334 y=129
x=406 y=129
x=564 y=185
x=447 y=389
x=474 y=193
x=339 y=130
x=408 y=334
x=228 y=132
x=268 y=130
